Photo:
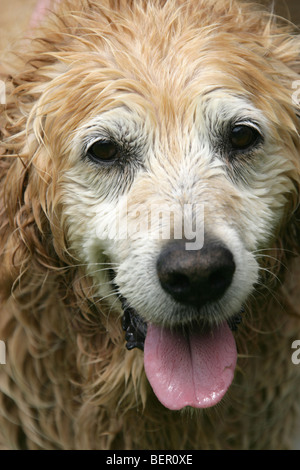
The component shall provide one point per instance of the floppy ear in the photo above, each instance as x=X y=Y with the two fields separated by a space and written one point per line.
x=28 y=193
x=292 y=233
x=24 y=225
x=281 y=46
x=23 y=220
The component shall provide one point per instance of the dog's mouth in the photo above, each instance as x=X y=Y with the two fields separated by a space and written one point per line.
x=185 y=367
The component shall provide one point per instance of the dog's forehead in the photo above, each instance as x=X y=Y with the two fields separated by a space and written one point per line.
x=174 y=109
x=167 y=95
x=212 y=108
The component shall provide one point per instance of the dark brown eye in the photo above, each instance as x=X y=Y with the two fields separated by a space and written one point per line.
x=103 y=151
x=243 y=137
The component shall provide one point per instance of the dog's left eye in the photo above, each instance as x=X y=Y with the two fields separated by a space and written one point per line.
x=243 y=137
x=103 y=152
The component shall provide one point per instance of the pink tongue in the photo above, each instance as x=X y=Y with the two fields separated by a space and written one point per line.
x=194 y=370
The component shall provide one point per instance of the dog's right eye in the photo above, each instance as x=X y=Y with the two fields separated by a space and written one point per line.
x=103 y=151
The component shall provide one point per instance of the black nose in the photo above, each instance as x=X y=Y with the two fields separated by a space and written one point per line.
x=195 y=277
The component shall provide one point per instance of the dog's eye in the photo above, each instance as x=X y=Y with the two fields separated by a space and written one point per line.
x=243 y=137
x=103 y=151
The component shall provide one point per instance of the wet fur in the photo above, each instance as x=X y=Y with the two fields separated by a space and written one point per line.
x=69 y=382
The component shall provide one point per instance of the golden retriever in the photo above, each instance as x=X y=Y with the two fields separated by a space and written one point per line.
x=149 y=228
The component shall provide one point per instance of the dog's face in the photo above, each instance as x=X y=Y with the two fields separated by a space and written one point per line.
x=198 y=126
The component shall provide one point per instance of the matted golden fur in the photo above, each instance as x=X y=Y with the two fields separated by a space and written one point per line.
x=164 y=79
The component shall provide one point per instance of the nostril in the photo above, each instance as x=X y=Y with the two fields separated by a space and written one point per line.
x=177 y=283
x=221 y=278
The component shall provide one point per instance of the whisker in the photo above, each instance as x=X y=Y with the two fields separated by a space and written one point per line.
x=105 y=297
x=80 y=265
x=270 y=291
x=282 y=250
x=270 y=257
x=271 y=273
x=95 y=272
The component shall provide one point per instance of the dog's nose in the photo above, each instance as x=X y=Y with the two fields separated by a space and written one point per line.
x=195 y=277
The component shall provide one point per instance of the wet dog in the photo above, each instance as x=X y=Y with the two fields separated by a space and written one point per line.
x=150 y=229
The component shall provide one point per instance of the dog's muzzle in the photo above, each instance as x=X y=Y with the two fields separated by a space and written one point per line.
x=192 y=278
x=190 y=365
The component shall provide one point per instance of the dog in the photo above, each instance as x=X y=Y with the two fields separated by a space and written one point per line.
x=150 y=228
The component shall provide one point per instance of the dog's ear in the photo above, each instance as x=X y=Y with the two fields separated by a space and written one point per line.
x=282 y=48
x=26 y=182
